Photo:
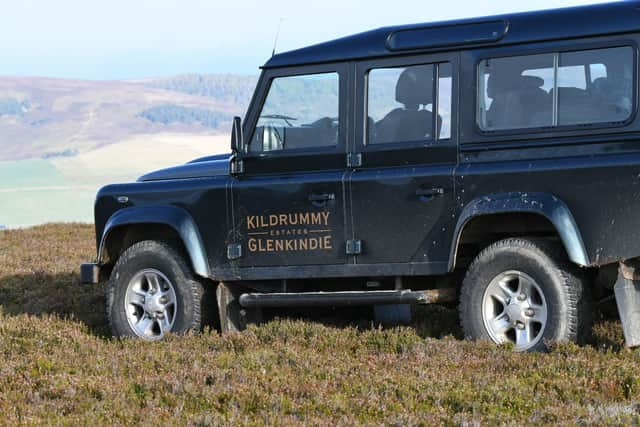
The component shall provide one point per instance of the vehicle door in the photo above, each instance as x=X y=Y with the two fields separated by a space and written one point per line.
x=288 y=203
x=402 y=190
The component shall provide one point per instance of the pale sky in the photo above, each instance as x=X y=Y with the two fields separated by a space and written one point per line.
x=124 y=39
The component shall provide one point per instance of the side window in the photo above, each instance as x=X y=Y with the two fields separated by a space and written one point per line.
x=445 y=99
x=556 y=89
x=405 y=104
x=299 y=112
x=595 y=86
x=515 y=92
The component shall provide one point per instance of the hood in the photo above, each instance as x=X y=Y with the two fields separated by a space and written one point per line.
x=203 y=167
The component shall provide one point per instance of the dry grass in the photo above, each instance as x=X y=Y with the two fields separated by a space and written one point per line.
x=58 y=365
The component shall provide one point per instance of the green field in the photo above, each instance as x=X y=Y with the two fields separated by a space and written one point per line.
x=34 y=192
x=60 y=366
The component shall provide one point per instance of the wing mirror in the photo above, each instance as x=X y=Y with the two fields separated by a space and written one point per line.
x=237 y=143
x=237 y=146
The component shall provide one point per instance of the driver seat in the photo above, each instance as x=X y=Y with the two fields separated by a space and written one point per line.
x=414 y=90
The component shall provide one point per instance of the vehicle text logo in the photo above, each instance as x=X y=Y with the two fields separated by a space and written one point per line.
x=289 y=232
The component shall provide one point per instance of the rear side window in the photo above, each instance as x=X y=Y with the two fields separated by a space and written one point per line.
x=556 y=89
x=409 y=104
x=299 y=112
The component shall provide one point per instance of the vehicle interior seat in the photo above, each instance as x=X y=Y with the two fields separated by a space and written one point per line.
x=611 y=98
x=413 y=122
x=574 y=105
x=518 y=101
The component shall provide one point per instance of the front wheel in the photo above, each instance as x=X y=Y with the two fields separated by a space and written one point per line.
x=152 y=292
x=524 y=292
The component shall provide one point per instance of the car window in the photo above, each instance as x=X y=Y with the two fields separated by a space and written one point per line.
x=299 y=112
x=445 y=99
x=548 y=90
x=608 y=95
x=401 y=100
x=515 y=92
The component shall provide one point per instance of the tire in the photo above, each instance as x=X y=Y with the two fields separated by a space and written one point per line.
x=525 y=291
x=151 y=292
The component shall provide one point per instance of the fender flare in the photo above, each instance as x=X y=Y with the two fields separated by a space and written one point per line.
x=544 y=204
x=177 y=218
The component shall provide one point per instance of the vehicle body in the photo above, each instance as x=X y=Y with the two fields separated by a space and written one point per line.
x=526 y=128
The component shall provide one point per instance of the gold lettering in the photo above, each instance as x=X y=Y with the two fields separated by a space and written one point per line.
x=263 y=223
x=252 y=245
x=283 y=219
x=269 y=245
x=250 y=222
x=327 y=242
x=304 y=218
x=260 y=245
x=303 y=245
x=326 y=217
x=313 y=244
x=279 y=245
x=273 y=220
x=315 y=218
x=293 y=219
x=288 y=245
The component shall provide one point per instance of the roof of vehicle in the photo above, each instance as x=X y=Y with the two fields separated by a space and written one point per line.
x=583 y=21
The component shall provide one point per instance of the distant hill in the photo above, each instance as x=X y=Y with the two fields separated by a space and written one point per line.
x=44 y=118
x=230 y=88
x=60 y=140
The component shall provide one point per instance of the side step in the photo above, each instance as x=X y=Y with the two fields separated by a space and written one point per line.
x=346 y=298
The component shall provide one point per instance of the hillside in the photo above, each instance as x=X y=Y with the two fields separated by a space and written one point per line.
x=60 y=140
x=47 y=118
x=60 y=367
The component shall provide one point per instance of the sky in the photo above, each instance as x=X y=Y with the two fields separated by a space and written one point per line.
x=129 y=39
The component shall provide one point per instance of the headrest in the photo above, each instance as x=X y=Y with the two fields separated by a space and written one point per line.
x=532 y=81
x=513 y=81
x=415 y=86
x=508 y=82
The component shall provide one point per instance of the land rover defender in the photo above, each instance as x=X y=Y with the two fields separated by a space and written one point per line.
x=491 y=161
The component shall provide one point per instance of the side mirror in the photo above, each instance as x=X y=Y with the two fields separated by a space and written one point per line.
x=237 y=143
x=236 y=166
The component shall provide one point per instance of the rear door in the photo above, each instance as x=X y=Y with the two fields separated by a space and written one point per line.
x=403 y=191
x=288 y=205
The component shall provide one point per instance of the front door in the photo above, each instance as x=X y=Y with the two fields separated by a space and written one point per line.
x=403 y=192
x=289 y=204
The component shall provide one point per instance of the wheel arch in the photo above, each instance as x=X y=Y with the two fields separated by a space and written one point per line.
x=130 y=225
x=540 y=206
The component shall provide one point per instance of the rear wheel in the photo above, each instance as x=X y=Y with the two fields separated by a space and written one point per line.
x=524 y=292
x=152 y=292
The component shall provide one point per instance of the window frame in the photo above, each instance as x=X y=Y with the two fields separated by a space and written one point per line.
x=363 y=70
x=264 y=86
x=555 y=50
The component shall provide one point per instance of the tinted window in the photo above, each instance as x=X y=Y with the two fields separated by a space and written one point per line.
x=595 y=86
x=568 y=88
x=400 y=104
x=515 y=92
x=299 y=112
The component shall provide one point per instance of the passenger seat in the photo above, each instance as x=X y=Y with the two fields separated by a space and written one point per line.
x=518 y=102
x=411 y=123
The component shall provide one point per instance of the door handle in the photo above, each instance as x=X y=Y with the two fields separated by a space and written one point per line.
x=426 y=194
x=320 y=200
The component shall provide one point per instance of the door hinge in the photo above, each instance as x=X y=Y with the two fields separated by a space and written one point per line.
x=354 y=247
x=234 y=251
x=236 y=166
x=354 y=160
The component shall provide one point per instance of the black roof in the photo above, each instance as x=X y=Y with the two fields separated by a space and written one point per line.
x=583 y=21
